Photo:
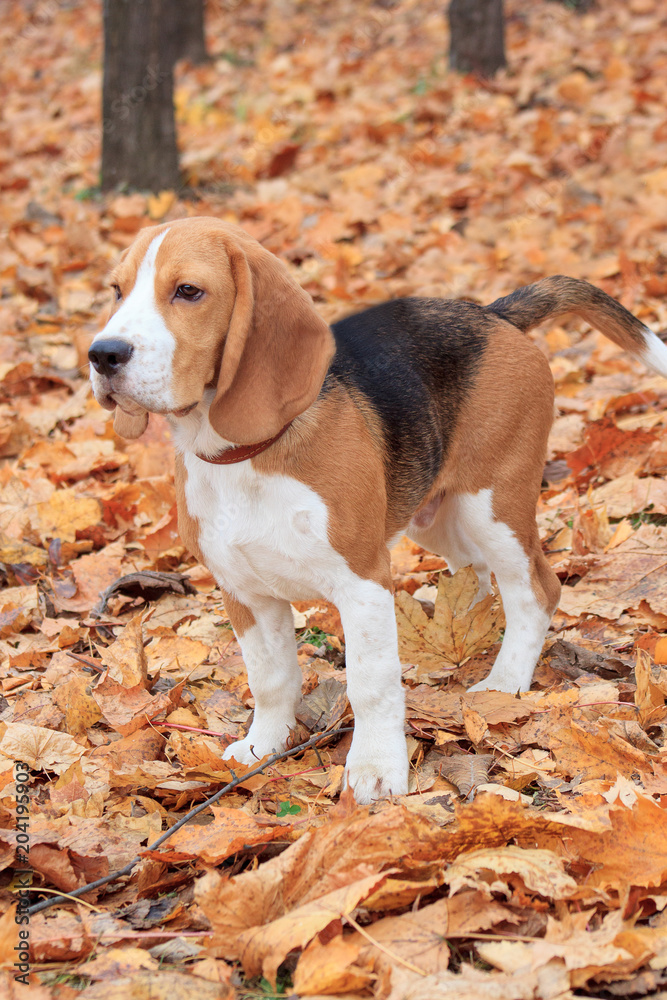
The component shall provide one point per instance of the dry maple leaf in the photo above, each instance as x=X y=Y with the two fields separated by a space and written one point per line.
x=608 y=953
x=41 y=749
x=651 y=690
x=628 y=495
x=612 y=452
x=332 y=968
x=632 y=852
x=129 y=709
x=417 y=937
x=65 y=513
x=456 y=631
x=75 y=699
x=263 y=949
x=470 y=983
x=231 y=831
x=125 y=659
x=540 y=871
x=161 y=985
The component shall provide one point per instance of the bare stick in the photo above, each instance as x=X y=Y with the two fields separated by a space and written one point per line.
x=82 y=890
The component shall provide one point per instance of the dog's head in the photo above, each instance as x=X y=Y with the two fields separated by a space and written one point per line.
x=200 y=304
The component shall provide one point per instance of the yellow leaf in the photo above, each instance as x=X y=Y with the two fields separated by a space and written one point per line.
x=456 y=631
x=540 y=870
x=39 y=748
x=65 y=513
x=159 y=204
x=264 y=948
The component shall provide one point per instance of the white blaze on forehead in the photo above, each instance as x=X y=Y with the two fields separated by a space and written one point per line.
x=140 y=301
x=147 y=377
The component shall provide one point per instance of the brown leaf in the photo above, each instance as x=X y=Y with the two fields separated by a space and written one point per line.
x=628 y=495
x=601 y=955
x=39 y=748
x=550 y=983
x=467 y=770
x=263 y=949
x=651 y=691
x=632 y=852
x=580 y=747
x=92 y=574
x=129 y=709
x=540 y=871
x=74 y=698
x=331 y=967
x=474 y=724
x=456 y=630
x=612 y=452
x=161 y=985
x=231 y=831
x=125 y=658
x=116 y=962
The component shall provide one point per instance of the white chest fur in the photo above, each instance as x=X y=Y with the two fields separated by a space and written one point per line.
x=261 y=535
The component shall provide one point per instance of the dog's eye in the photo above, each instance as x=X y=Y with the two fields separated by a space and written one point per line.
x=189 y=292
x=117 y=292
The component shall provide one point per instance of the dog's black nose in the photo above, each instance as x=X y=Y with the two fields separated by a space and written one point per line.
x=107 y=356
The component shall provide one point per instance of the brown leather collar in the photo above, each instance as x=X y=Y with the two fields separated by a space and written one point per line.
x=241 y=452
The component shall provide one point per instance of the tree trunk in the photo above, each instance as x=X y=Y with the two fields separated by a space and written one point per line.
x=139 y=133
x=477 y=36
x=190 y=42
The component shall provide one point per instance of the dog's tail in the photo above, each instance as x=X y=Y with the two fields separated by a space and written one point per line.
x=533 y=304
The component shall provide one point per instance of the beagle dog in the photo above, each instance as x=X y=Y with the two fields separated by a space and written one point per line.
x=303 y=450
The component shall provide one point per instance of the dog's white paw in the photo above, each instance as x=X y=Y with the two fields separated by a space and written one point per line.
x=369 y=783
x=507 y=681
x=251 y=749
x=376 y=775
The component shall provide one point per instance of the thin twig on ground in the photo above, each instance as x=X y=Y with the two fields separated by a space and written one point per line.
x=82 y=890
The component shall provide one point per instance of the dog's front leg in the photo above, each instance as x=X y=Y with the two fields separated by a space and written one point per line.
x=377 y=763
x=266 y=637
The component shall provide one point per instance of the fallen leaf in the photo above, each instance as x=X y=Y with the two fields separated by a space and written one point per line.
x=456 y=630
x=466 y=771
x=263 y=949
x=125 y=659
x=540 y=871
x=230 y=832
x=39 y=748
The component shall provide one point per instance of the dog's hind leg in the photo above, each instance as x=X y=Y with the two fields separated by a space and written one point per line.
x=467 y=531
x=448 y=535
x=491 y=481
x=528 y=586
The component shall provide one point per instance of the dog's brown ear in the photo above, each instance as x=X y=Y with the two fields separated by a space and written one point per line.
x=276 y=353
x=129 y=425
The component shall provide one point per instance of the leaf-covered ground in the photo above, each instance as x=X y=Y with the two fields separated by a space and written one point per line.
x=530 y=861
